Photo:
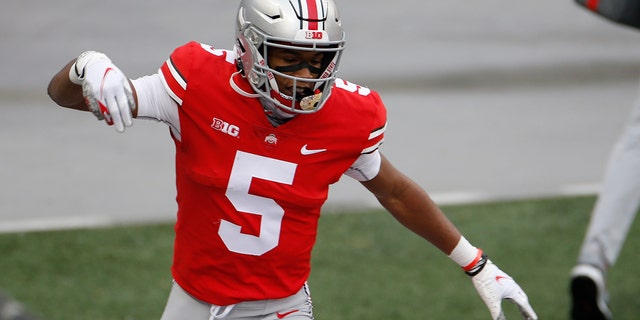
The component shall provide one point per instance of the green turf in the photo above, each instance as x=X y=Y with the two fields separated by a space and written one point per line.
x=365 y=266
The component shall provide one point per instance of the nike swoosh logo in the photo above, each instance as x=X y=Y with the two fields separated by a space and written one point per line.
x=282 y=315
x=80 y=76
x=306 y=152
x=498 y=278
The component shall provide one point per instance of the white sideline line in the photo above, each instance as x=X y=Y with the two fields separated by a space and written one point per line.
x=453 y=198
x=98 y=221
x=448 y=198
x=72 y=222
x=580 y=189
x=54 y=223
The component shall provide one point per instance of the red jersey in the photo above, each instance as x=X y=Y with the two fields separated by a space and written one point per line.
x=249 y=194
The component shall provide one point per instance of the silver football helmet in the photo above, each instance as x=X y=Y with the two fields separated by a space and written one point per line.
x=309 y=25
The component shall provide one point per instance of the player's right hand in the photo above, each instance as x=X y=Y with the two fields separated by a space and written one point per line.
x=105 y=88
x=493 y=286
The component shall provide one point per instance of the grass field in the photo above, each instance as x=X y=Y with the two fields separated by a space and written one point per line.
x=365 y=266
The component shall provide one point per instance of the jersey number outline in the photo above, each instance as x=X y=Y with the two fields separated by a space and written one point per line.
x=247 y=166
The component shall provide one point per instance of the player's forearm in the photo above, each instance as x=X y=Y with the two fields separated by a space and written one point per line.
x=416 y=211
x=64 y=92
x=412 y=207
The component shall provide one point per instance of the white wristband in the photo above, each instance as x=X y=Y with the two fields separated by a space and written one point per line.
x=76 y=73
x=464 y=254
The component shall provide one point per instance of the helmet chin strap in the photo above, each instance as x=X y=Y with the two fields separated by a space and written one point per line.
x=237 y=88
x=275 y=115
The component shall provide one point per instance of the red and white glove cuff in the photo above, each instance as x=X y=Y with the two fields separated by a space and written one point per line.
x=470 y=258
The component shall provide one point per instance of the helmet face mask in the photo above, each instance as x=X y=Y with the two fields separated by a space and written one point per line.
x=264 y=26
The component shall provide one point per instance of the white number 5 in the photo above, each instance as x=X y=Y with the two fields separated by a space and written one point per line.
x=246 y=167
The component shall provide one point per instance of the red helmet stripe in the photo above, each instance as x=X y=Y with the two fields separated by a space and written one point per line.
x=312 y=7
x=593 y=4
x=311 y=14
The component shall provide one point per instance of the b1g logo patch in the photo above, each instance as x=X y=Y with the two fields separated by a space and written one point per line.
x=315 y=35
x=225 y=127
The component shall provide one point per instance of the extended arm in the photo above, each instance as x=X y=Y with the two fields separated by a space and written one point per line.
x=413 y=207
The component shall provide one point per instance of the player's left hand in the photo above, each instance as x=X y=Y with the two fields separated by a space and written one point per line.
x=494 y=285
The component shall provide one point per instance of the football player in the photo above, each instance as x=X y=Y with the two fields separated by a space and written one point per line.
x=261 y=132
x=618 y=200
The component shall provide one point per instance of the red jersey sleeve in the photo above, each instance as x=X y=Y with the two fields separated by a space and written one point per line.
x=378 y=125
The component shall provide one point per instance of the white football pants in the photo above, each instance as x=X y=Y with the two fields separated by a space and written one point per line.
x=618 y=200
x=182 y=306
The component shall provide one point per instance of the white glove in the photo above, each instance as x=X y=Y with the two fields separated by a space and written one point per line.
x=493 y=285
x=105 y=88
